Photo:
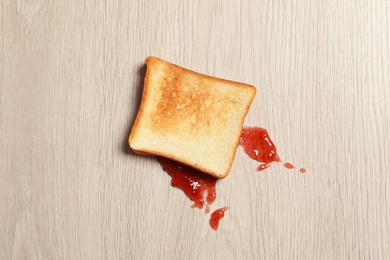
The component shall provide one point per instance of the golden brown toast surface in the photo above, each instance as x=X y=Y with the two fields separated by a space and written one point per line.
x=184 y=103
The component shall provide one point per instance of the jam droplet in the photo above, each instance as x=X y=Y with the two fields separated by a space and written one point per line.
x=216 y=216
x=288 y=165
x=258 y=145
x=263 y=166
x=302 y=170
x=198 y=186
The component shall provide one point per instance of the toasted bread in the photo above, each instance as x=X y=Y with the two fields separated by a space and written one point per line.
x=189 y=117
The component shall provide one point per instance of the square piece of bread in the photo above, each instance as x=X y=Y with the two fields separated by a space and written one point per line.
x=190 y=118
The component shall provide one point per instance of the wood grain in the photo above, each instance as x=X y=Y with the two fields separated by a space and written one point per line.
x=70 y=84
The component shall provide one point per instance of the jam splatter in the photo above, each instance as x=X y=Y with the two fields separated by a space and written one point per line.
x=216 y=216
x=258 y=145
x=198 y=186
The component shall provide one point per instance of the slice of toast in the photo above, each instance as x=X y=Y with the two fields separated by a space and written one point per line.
x=189 y=117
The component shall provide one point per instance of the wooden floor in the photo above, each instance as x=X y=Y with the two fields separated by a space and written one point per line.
x=71 y=77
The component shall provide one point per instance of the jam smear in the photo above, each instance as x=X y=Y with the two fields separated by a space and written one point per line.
x=198 y=186
x=258 y=145
x=216 y=216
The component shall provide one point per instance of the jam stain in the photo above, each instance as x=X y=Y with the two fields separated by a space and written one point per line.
x=288 y=165
x=198 y=186
x=263 y=166
x=216 y=216
x=258 y=145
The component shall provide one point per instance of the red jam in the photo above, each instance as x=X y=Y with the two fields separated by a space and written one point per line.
x=263 y=166
x=289 y=165
x=198 y=186
x=216 y=217
x=259 y=146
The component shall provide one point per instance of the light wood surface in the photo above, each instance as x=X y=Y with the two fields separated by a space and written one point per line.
x=70 y=84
